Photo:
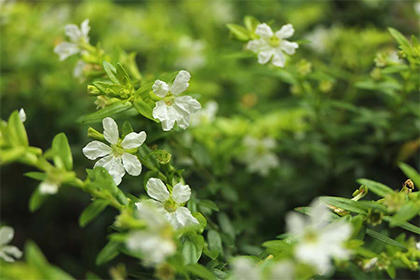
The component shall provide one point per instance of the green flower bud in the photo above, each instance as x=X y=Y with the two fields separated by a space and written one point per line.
x=93 y=91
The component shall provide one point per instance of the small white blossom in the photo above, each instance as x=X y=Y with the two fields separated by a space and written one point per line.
x=155 y=243
x=115 y=157
x=245 y=269
x=191 y=54
x=272 y=45
x=206 y=115
x=171 y=204
x=418 y=246
x=417 y=8
x=370 y=264
x=318 y=242
x=76 y=35
x=319 y=38
x=22 y=115
x=78 y=70
x=8 y=252
x=258 y=155
x=173 y=107
x=48 y=187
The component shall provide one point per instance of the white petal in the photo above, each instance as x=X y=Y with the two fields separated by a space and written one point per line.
x=47 y=187
x=295 y=223
x=111 y=133
x=6 y=235
x=151 y=211
x=131 y=164
x=160 y=88
x=133 y=140
x=78 y=69
x=114 y=167
x=96 y=149
x=85 y=28
x=314 y=254
x=22 y=115
x=278 y=59
x=6 y=257
x=284 y=270
x=73 y=32
x=184 y=217
x=184 y=107
x=264 y=31
x=288 y=47
x=165 y=114
x=12 y=251
x=156 y=189
x=181 y=82
x=257 y=45
x=319 y=213
x=244 y=268
x=264 y=56
x=286 y=31
x=181 y=193
x=66 y=49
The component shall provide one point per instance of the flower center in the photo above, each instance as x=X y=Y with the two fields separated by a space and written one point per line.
x=274 y=42
x=169 y=99
x=311 y=236
x=170 y=206
x=117 y=150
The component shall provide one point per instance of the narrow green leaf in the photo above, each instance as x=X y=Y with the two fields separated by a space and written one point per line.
x=402 y=41
x=40 y=176
x=108 y=253
x=345 y=204
x=383 y=238
x=192 y=248
x=215 y=241
x=411 y=173
x=111 y=71
x=101 y=179
x=226 y=225
x=92 y=211
x=108 y=111
x=377 y=188
x=239 y=32
x=209 y=204
x=144 y=109
x=36 y=200
x=200 y=271
x=405 y=225
x=62 y=152
x=406 y=213
x=17 y=130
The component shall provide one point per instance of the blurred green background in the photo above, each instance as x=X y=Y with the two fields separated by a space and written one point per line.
x=323 y=149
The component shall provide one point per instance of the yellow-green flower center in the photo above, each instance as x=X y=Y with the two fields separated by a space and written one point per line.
x=274 y=42
x=311 y=236
x=170 y=206
x=169 y=99
x=117 y=150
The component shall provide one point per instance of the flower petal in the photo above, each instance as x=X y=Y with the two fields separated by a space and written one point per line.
x=73 y=32
x=6 y=257
x=66 y=49
x=85 y=28
x=181 y=82
x=295 y=223
x=22 y=115
x=278 y=59
x=286 y=31
x=114 y=167
x=181 y=193
x=184 y=107
x=96 y=149
x=184 y=217
x=257 y=45
x=131 y=164
x=264 y=31
x=47 y=187
x=288 y=47
x=12 y=251
x=264 y=56
x=165 y=114
x=133 y=140
x=111 y=133
x=156 y=189
x=6 y=235
x=160 y=88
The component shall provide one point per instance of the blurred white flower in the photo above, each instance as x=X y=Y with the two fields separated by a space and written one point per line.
x=8 y=252
x=115 y=157
x=22 y=115
x=318 y=242
x=76 y=35
x=48 y=187
x=155 y=243
x=319 y=38
x=206 y=115
x=191 y=54
x=272 y=45
x=245 y=269
x=172 y=107
x=417 y=8
x=258 y=155
x=78 y=70
x=418 y=246
x=171 y=204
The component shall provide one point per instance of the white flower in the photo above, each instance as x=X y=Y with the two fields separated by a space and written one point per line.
x=171 y=204
x=78 y=70
x=259 y=156
x=417 y=8
x=319 y=38
x=172 y=107
x=115 y=157
x=245 y=269
x=318 y=242
x=206 y=115
x=418 y=246
x=155 y=243
x=48 y=187
x=76 y=36
x=8 y=252
x=272 y=45
x=191 y=54
x=22 y=115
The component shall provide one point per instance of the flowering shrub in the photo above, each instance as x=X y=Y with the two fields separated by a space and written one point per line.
x=175 y=226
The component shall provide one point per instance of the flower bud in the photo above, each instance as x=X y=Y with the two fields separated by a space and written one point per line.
x=94 y=134
x=93 y=91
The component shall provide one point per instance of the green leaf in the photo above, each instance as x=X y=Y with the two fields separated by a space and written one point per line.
x=108 y=253
x=411 y=173
x=239 y=32
x=144 y=109
x=276 y=245
x=402 y=41
x=345 y=204
x=406 y=213
x=126 y=129
x=101 y=179
x=383 y=238
x=108 y=111
x=40 y=176
x=378 y=188
x=34 y=256
x=226 y=225
x=123 y=76
x=62 y=153
x=405 y=225
x=17 y=130
x=110 y=71
x=92 y=211
x=192 y=248
x=251 y=23
x=215 y=241
x=36 y=200
x=209 y=204
x=200 y=271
